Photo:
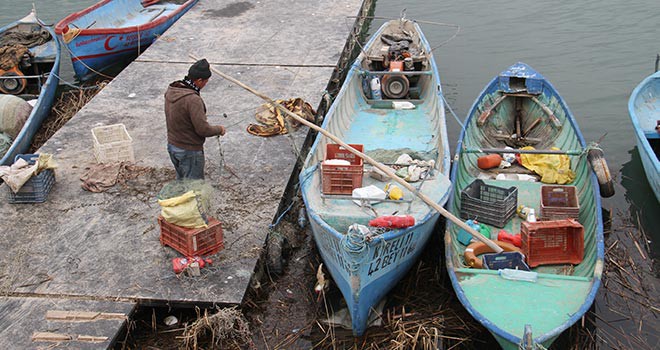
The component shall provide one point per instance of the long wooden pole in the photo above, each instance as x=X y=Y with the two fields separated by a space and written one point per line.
x=368 y=159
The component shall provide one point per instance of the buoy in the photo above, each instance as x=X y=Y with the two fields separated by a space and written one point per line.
x=475 y=249
x=490 y=161
x=599 y=166
x=393 y=221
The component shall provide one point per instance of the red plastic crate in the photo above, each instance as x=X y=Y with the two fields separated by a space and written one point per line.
x=552 y=242
x=559 y=202
x=192 y=241
x=342 y=179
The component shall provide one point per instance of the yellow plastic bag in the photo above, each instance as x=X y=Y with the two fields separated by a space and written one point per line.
x=553 y=168
x=182 y=211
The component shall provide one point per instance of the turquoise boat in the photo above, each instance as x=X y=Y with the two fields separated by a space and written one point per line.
x=34 y=78
x=408 y=118
x=525 y=309
x=644 y=110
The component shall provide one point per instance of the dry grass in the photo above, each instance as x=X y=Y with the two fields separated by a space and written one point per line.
x=66 y=106
x=227 y=328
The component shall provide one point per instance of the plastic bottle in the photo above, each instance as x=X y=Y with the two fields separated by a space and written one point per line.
x=490 y=161
x=531 y=217
x=302 y=217
x=519 y=275
x=375 y=89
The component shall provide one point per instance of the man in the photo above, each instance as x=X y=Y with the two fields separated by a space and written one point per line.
x=187 y=127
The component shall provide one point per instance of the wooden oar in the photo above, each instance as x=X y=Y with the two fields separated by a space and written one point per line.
x=368 y=159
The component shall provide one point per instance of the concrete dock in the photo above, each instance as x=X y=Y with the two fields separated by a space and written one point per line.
x=101 y=251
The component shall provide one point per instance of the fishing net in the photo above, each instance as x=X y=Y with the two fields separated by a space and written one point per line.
x=186 y=202
x=5 y=143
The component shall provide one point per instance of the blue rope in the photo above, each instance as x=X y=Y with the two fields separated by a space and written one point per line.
x=452 y=112
x=272 y=226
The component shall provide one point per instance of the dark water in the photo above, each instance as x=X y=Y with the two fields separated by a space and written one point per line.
x=593 y=51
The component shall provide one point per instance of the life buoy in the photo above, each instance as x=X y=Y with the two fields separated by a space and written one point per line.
x=12 y=86
x=599 y=166
x=473 y=251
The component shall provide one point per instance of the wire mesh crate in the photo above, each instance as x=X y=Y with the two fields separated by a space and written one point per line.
x=37 y=188
x=552 y=242
x=192 y=241
x=559 y=202
x=341 y=179
x=112 y=143
x=488 y=204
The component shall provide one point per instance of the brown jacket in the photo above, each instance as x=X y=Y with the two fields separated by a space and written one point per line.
x=185 y=115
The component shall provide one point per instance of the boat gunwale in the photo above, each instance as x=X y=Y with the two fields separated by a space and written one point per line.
x=53 y=77
x=634 y=118
x=600 y=249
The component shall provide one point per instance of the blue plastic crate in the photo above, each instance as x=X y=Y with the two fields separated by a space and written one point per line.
x=37 y=188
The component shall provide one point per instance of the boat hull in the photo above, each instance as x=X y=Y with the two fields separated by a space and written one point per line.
x=100 y=49
x=367 y=277
x=504 y=306
x=367 y=267
x=644 y=112
x=47 y=52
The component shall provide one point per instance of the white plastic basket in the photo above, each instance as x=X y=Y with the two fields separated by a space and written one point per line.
x=112 y=143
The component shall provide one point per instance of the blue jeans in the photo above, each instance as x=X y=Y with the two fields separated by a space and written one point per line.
x=188 y=164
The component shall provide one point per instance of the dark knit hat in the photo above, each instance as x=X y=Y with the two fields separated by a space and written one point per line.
x=199 y=70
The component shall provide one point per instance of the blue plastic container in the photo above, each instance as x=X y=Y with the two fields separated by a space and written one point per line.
x=37 y=188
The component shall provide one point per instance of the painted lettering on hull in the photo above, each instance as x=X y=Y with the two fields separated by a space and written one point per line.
x=388 y=254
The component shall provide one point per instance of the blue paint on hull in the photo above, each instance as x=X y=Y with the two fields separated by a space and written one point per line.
x=107 y=44
x=644 y=111
x=365 y=277
x=45 y=100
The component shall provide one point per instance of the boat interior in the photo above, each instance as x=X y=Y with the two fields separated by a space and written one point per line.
x=25 y=68
x=514 y=113
x=408 y=118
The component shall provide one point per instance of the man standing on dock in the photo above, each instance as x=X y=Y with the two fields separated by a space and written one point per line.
x=187 y=126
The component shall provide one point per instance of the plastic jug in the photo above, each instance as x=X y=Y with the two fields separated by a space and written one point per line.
x=375 y=89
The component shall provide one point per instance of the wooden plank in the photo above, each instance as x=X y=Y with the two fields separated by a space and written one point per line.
x=25 y=323
x=82 y=315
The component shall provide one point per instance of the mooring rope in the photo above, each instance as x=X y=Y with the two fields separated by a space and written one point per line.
x=354 y=243
x=452 y=112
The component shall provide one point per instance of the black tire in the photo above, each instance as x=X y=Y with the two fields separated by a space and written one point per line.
x=599 y=166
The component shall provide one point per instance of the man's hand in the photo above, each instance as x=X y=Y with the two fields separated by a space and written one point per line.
x=222 y=130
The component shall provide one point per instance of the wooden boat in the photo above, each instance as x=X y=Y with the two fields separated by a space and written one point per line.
x=35 y=77
x=520 y=313
x=112 y=33
x=366 y=265
x=644 y=110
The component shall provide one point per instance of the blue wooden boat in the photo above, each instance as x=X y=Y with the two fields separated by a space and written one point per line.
x=112 y=33
x=520 y=313
x=34 y=78
x=644 y=110
x=365 y=266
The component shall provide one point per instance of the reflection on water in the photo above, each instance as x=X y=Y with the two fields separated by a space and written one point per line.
x=643 y=204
